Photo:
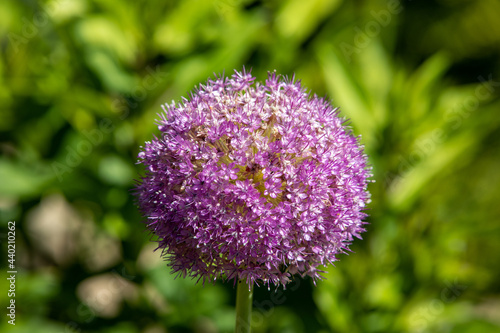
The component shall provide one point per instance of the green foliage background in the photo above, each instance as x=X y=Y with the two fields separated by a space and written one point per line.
x=82 y=80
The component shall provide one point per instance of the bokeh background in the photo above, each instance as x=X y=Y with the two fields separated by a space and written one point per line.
x=82 y=81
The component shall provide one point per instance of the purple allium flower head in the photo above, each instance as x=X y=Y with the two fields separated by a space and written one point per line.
x=253 y=182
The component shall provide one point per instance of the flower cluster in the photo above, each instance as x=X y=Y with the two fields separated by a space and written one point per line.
x=252 y=181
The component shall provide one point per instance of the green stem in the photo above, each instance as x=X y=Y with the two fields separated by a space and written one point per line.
x=243 y=308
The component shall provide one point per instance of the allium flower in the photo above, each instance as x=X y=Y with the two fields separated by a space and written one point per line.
x=253 y=182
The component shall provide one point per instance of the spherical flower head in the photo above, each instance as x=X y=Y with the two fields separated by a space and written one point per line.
x=252 y=181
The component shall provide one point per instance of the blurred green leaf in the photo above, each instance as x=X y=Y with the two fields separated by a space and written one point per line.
x=296 y=19
x=21 y=180
x=346 y=92
x=114 y=170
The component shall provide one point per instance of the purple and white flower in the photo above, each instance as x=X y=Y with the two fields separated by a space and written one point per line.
x=252 y=181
